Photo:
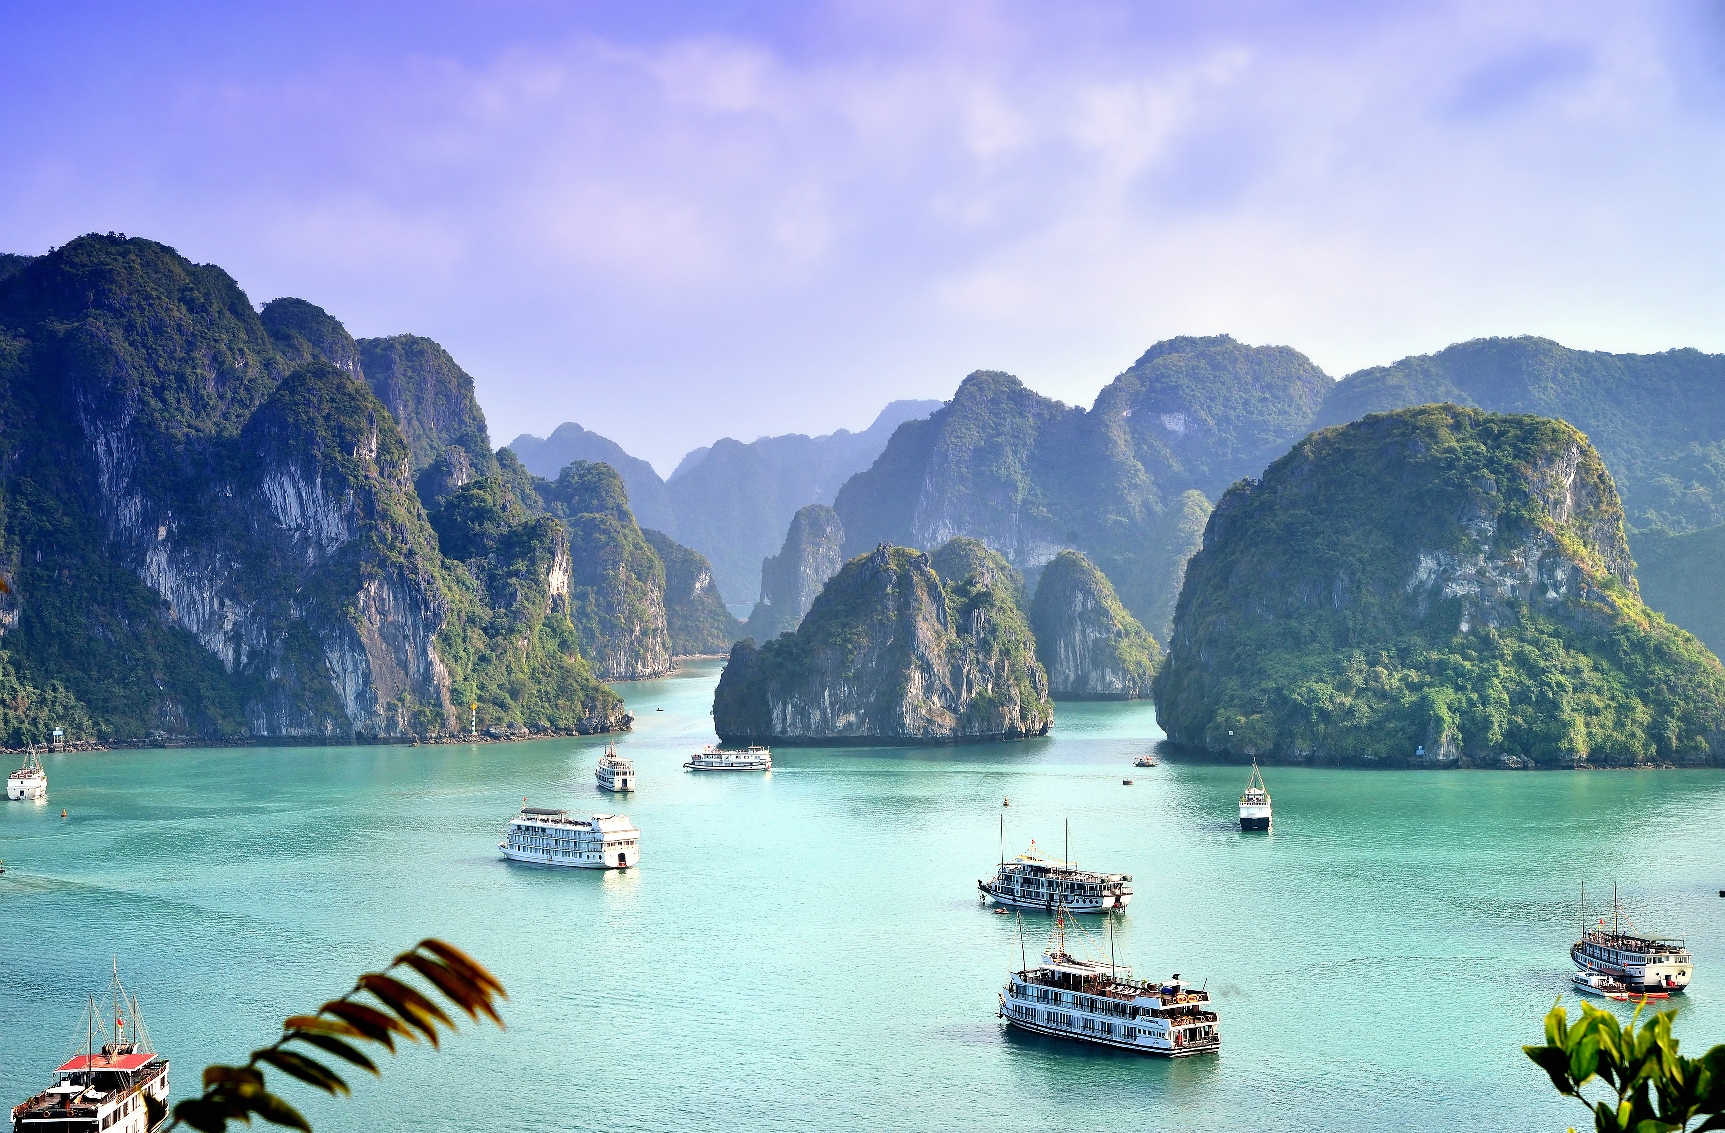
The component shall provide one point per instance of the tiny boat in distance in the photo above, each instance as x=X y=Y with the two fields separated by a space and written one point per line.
x=710 y=758
x=1649 y=967
x=1144 y=761
x=614 y=773
x=119 y=1087
x=1255 y=802
x=541 y=836
x=1097 y=1001
x=28 y=782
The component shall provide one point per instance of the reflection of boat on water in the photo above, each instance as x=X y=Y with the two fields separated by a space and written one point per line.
x=1255 y=802
x=28 y=782
x=1642 y=966
x=1097 y=1001
x=120 y=1086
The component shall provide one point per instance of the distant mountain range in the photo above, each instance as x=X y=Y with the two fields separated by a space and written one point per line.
x=730 y=500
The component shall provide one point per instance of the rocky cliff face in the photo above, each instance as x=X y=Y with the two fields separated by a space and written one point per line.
x=1433 y=585
x=546 y=457
x=792 y=579
x=430 y=397
x=888 y=653
x=1091 y=646
x=211 y=530
x=1122 y=482
x=617 y=582
x=695 y=612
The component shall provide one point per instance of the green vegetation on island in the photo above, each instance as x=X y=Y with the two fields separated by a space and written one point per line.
x=891 y=653
x=1434 y=585
x=1127 y=482
x=695 y=611
x=1091 y=646
x=791 y=580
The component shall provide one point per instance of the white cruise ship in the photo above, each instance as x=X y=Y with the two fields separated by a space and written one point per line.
x=1098 y=1001
x=711 y=758
x=1255 y=802
x=551 y=837
x=615 y=774
x=1620 y=965
x=119 y=1087
x=28 y=782
x=1031 y=881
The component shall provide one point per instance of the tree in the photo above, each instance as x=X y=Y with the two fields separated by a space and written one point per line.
x=390 y=1009
x=1649 y=1087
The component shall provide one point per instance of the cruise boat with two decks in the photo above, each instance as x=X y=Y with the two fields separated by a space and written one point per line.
x=541 y=836
x=1097 y=1001
x=1255 y=802
x=1033 y=881
x=1619 y=964
x=29 y=782
x=710 y=758
x=120 y=1086
x=614 y=773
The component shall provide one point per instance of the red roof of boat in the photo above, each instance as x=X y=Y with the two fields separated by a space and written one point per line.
x=124 y=1062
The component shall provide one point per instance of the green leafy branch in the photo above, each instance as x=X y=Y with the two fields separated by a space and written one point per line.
x=392 y=1009
x=1651 y=1087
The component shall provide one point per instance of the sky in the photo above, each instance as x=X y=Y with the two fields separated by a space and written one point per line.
x=673 y=222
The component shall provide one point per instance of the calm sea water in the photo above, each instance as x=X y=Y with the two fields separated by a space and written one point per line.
x=806 y=950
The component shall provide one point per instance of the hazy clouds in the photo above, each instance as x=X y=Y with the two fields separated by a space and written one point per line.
x=669 y=224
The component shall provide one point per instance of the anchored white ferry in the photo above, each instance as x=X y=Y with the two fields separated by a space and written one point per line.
x=711 y=758
x=550 y=837
x=1098 y=1001
x=1621 y=965
x=120 y=1086
x=615 y=774
x=1255 y=802
x=1031 y=881
x=28 y=782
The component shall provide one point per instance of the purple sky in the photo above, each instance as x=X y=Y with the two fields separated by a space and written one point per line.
x=673 y=222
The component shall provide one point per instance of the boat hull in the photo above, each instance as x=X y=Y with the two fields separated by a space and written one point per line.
x=1254 y=822
x=1118 y=1044
x=1108 y=902
x=1663 y=979
x=27 y=790
x=528 y=857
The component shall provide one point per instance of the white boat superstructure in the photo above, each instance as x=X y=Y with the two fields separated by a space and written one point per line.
x=1032 y=881
x=119 y=1086
x=1098 y=1001
x=711 y=758
x=1639 y=965
x=1255 y=802
x=551 y=837
x=614 y=773
x=29 y=782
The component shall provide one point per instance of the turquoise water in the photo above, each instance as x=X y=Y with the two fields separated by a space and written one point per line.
x=805 y=950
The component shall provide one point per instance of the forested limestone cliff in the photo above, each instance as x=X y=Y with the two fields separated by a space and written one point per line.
x=1434 y=585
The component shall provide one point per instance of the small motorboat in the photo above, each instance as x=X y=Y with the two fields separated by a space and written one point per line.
x=1144 y=761
x=1595 y=983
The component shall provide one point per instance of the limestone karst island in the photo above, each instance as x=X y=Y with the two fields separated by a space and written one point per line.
x=908 y=568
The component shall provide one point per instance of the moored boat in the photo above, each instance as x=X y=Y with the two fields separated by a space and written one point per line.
x=1255 y=802
x=1098 y=1001
x=1034 y=881
x=1642 y=966
x=711 y=758
x=119 y=1086
x=614 y=773
x=542 y=836
x=29 y=782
